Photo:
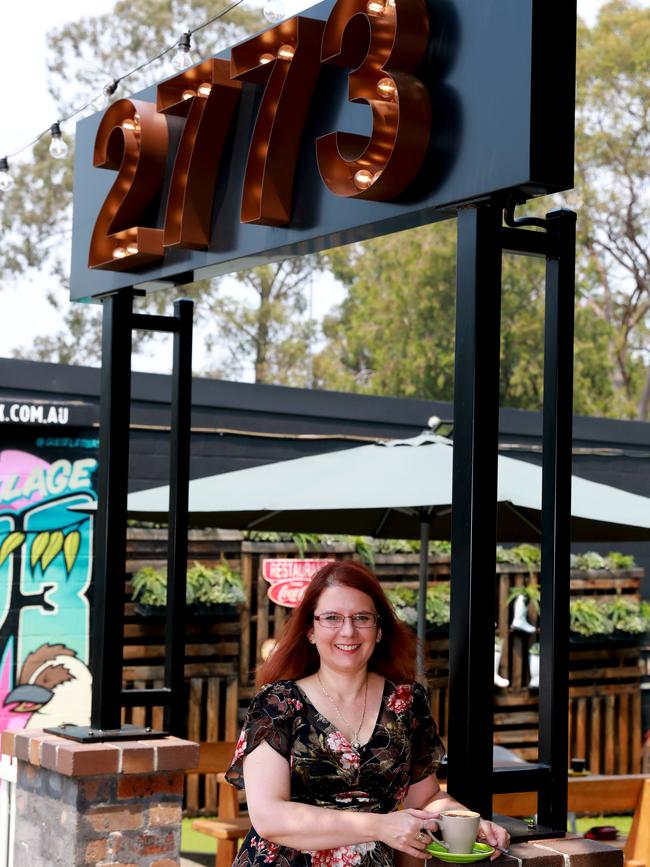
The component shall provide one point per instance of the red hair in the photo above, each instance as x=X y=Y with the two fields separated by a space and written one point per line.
x=295 y=656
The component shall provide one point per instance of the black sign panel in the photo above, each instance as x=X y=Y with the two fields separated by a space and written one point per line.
x=15 y=410
x=500 y=78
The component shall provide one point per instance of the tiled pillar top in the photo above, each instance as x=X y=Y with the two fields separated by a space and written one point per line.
x=72 y=759
x=569 y=851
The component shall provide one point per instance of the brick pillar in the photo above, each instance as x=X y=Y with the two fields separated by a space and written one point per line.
x=98 y=805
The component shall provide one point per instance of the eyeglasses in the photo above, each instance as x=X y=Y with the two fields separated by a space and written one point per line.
x=332 y=620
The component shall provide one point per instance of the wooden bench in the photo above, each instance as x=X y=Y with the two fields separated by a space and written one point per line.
x=229 y=826
x=599 y=794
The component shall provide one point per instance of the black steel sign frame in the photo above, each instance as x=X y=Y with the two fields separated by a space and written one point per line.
x=500 y=117
x=500 y=77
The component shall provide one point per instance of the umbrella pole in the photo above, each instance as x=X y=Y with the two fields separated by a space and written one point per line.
x=425 y=531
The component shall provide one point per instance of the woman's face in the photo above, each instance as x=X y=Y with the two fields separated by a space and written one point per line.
x=347 y=647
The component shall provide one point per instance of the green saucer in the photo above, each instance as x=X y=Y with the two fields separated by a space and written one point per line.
x=480 y=851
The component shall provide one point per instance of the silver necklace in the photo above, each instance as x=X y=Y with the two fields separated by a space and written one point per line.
x=355 y=734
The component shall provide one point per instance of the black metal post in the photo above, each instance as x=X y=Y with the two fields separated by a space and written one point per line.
x=108 y=697
x=556 y=515
x=110 y=531
x=179 y=474
x=476 y=422
x=425 y=532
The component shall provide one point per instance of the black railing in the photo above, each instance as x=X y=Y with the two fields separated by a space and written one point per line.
x=108 y=697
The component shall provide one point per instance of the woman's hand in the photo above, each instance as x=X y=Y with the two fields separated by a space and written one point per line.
x=402 y=830
x=493 y=835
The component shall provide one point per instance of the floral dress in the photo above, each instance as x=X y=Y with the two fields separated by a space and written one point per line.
x=326 y=771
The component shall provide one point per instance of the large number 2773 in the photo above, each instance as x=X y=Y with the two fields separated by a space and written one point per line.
x=133 y=136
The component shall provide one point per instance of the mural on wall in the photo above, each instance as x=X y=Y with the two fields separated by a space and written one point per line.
x=45 y=575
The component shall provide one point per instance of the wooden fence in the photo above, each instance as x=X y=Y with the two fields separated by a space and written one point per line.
x=604 y=694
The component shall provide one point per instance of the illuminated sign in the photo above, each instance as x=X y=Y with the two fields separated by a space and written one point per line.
x=289 y=578
x=353 y=119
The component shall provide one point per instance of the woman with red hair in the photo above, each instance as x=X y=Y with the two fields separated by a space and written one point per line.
x=340 y=735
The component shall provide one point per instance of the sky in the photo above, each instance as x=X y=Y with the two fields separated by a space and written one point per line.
x=31 y=110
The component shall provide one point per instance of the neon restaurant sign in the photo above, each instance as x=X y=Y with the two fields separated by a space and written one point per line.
x=354 y=119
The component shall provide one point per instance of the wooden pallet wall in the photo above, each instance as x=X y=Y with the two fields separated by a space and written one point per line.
x=605 y=709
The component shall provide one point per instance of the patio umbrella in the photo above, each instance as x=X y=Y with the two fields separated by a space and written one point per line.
x=397 y=489
x=386 y=490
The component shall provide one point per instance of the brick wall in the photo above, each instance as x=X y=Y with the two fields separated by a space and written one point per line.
x=95 y=805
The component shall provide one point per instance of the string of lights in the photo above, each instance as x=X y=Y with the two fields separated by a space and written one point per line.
x=183 y=58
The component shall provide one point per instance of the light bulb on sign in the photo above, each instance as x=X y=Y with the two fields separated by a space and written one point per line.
x=131 y=250
x=101 y=101
x=131 y=123
x=363 y=179
x=58 y=148
x=188 y=94
x=286 y=52
x=6 y=181
x=183 y=57
x=386 y=88
x=119 y=252
x=375 y=7
x=266 y=58
x=204 y=89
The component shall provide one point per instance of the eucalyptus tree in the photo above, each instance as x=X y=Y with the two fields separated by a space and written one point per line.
x=261 y=327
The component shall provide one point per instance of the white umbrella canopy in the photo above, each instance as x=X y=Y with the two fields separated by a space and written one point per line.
x=381 y=490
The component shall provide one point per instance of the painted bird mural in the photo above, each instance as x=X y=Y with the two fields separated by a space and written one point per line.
x=54 y=687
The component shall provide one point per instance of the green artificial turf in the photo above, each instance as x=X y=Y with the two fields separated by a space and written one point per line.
x=194 y=841
x=622 y=823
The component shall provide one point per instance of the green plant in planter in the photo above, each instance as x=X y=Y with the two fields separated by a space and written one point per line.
x=530 y=592
x=438 y=604
x=626 y=615
x=218 y=586
x=588 y=561
x=404 y=602
x=301 y=540
x=644 y=612
x=522 y=555
x=149 y=587
x=439 y=546
x=364 y=547
x=616 y=560
x=587 y=618
x=397 y=546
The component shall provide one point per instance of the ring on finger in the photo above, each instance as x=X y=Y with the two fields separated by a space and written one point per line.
x=421 y=836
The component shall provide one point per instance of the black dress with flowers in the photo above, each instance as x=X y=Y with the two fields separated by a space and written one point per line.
x=327 y=772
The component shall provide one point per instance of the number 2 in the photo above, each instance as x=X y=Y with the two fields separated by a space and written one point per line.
x=132 y=137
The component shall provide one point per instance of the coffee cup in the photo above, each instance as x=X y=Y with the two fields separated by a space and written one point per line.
x=459 y=830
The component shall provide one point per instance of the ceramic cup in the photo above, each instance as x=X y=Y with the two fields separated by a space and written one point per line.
x=459 y=829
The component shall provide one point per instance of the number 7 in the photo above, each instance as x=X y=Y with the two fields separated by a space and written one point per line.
x=207 y=97
x=287 y=57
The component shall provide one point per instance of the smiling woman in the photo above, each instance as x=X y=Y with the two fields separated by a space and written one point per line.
x=340 y=736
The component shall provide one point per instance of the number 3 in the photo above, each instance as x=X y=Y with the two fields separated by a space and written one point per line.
x=381 y=166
